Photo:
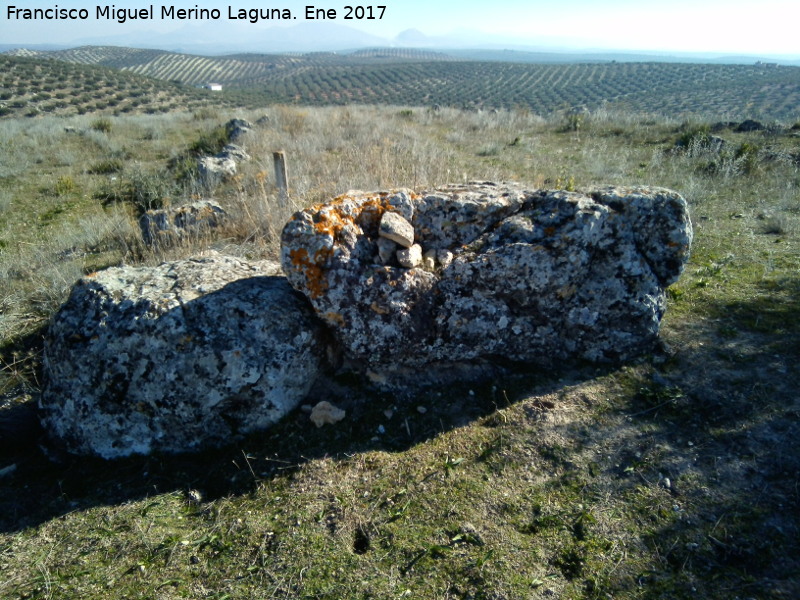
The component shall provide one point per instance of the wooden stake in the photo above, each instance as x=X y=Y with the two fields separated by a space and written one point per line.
x=281 y=177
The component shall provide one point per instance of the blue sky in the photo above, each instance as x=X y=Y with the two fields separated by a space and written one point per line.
x=767 y=27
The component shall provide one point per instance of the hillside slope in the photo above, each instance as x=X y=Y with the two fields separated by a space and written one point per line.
x=727 y=91
x=399 y=76
x=35 y=86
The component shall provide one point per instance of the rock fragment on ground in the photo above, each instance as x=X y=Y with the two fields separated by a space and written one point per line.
x=394 y=227
x=237 y=128
x=410 y=257
x=169 y=225
x=213 y=170
x=325 y=413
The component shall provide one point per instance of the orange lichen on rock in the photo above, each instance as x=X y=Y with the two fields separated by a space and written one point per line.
x=371 y=212
x=331 y=222
x=315 y=278
x=356 y=214
x=335 y=318
x=331 y=219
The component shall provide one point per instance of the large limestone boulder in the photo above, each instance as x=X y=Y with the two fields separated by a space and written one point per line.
x=177 y=357
x=533 y=276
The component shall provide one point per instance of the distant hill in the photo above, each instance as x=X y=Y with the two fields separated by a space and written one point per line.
x=231 y=69
x=225 y=37
x=109 y=56
x=719 y=91
x=405 y=76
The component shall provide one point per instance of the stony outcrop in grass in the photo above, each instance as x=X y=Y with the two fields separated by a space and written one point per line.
x=195 y=352
x=166 y=226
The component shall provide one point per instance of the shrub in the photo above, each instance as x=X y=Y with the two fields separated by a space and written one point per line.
x=566 y=182
x=65 y=185
x=776 y=225
x=205 y=114
x=102 y=125
x=144 y=191
x=746 y=156
x=183 y=168
x=489 y=150
x=694 y=137
x=210 y=143
x=573 y=121
x=106 y=167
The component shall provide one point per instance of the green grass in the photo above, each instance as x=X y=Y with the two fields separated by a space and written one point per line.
x=672 y=477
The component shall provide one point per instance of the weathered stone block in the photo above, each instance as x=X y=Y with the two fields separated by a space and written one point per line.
x=533 y=276
x=178 y=357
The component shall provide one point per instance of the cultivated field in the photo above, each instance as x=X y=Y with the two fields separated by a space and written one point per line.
x=33 y=87
x=413 y=77
x=677 y=476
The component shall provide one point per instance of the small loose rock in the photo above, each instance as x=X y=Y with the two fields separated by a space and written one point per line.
x=325 y=413
x=394 y=227
x=410 y=257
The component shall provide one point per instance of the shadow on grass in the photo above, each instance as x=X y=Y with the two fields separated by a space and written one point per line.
x=40 y=489
x=727 y=410
x=720 y=419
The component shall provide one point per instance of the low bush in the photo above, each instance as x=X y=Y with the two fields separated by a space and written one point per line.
x=65 y=185
x=102 y=125
x=210 y=143
x=695 y=136
x=142 y=190
x=106 y=167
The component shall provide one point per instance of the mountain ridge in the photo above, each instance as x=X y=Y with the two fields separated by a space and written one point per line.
x=226 y=37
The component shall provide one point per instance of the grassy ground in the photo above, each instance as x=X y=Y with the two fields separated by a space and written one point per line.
x=674 y=477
